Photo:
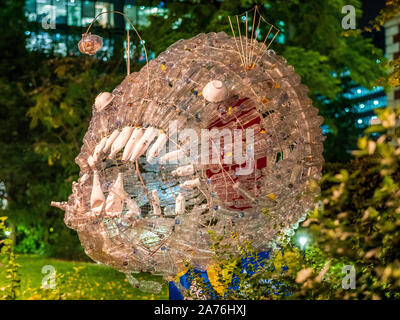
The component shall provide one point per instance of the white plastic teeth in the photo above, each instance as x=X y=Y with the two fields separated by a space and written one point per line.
x=183 y=171
x=61 y=205
x=134 y=141
x=215 y=91
x=120 y=141
x=134 y=138
x=156 y=203
x=103 y=100
x=99 y=149
x=144 y=142
x=82 y=180
x=133 y=209
x=115 y=199
x=180 y=204
x=173 y=156
x=190 y=184
x=91 y=162
x=97 y=199
x=156 y=147
x=111 y=140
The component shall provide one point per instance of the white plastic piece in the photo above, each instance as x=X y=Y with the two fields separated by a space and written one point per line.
x=173 y=156
x=99 y=149
x=215 y=91
x=82 y=180
x=121 y=141
x=115 y=198
x=157 y=146
x=61 y=205
x=156 y=203
x=189 y=184
x=97 y=199
x=180 y=204
x=134 y=138
x=91 y=162
x=183 y=171
x=103 y=100
x=133 y=209
x=111 y=140
x=144 y=142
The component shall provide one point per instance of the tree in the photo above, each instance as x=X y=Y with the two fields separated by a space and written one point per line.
x=46 y=104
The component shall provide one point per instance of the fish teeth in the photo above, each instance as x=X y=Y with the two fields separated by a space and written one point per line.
x=115 y=199
x=110 y=140
x=91 y=162
x=120 y=141
x=97 y=199
x=173 y=156
x=180 y=204
x=99 y=149
x=133 y=209
x=134 y=138
x=82 y=180
x=189 y=184
x=156 y=147
x=156 y=203
x=183 y=170
x=61 y=205
x=144 y=142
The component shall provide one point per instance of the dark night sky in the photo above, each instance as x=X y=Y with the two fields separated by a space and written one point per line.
x=371 y=9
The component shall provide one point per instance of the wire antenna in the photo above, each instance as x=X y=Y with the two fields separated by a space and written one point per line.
x=250 y=28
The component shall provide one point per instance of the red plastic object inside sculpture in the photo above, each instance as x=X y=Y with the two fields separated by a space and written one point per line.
x=241 y=115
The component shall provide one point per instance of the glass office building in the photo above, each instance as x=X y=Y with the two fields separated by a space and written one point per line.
x=60 y=22
x=364 y=102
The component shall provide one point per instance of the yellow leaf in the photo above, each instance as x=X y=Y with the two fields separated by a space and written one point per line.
x=272 y=196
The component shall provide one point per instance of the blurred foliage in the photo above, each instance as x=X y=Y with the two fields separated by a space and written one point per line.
x=75 y=281
x=361 y=215
x=391 y=10
x=244 y=276
x=46 y=106
x=328 y=58
x=8 y=262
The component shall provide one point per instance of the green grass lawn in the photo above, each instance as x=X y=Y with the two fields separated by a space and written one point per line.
x=80 y=280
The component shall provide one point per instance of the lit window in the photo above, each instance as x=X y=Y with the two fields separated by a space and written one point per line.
x=74 y=14
x=106 y=19
x=88 y=12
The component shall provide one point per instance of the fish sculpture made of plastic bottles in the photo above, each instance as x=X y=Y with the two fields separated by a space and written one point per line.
x=216 y=133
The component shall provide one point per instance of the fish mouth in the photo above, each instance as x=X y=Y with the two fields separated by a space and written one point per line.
x=142 y=210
